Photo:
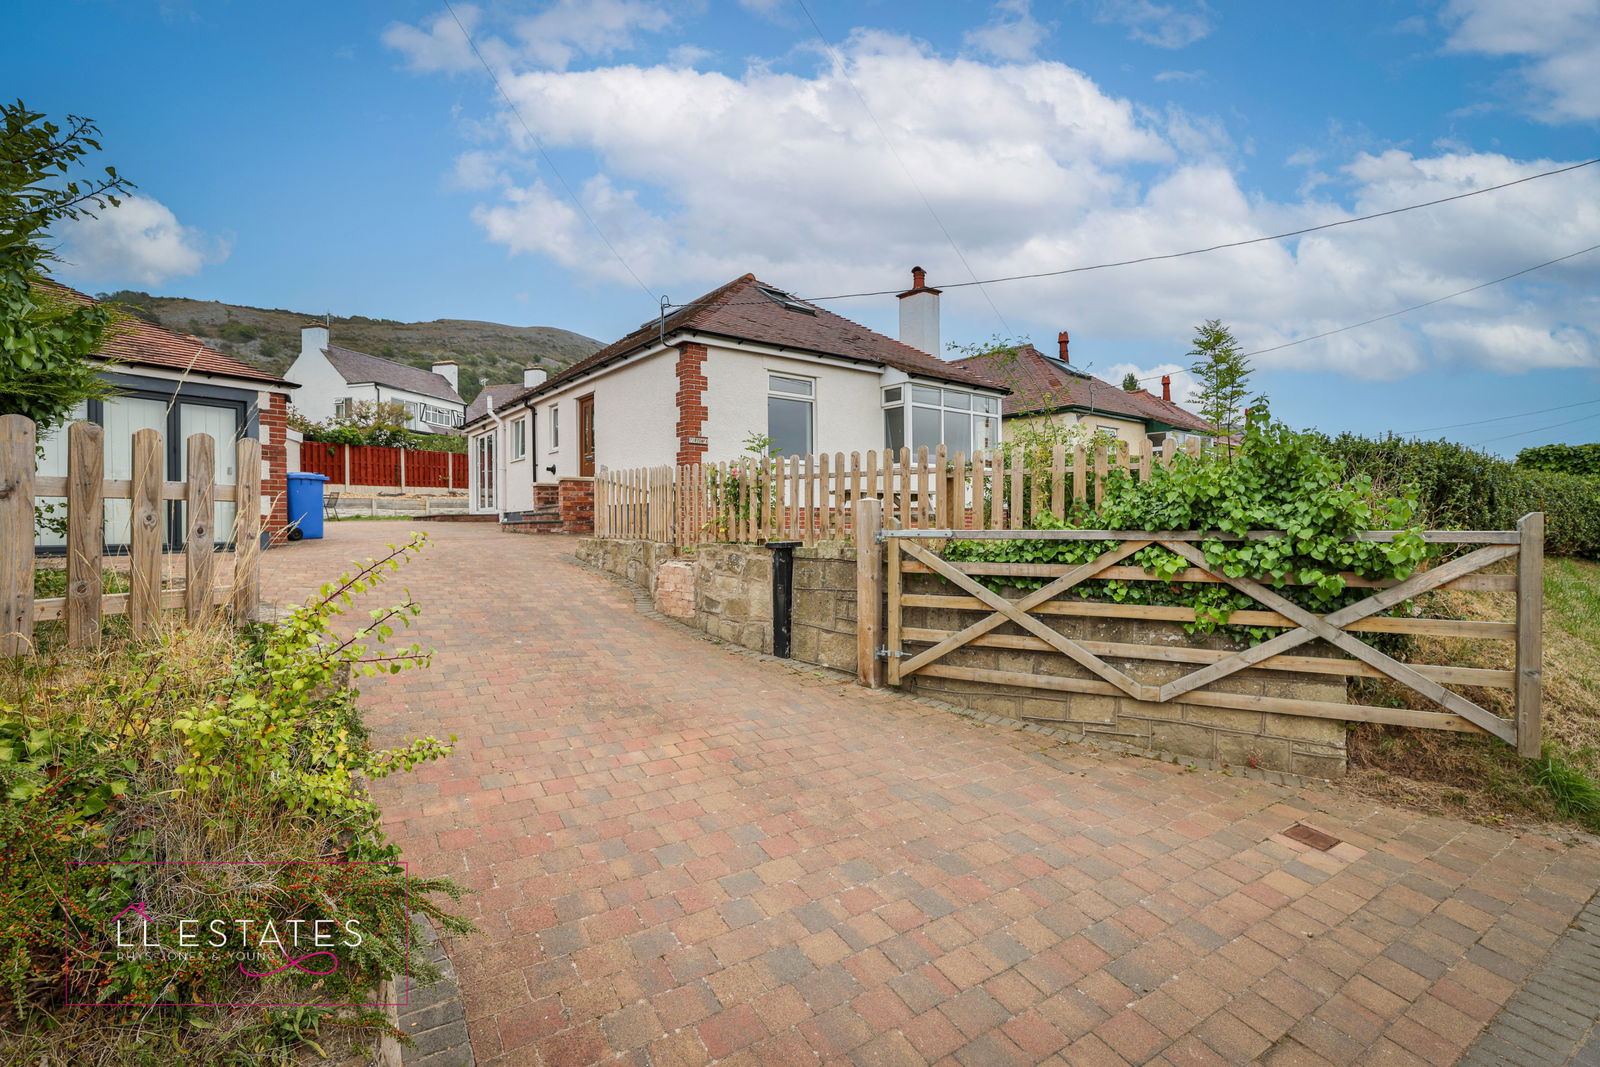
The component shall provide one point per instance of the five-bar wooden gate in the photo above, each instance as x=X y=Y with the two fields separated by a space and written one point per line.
x=917 y=552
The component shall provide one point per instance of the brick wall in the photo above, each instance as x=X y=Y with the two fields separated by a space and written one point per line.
x=691 y=400
x=564 y=508
x=273 y=420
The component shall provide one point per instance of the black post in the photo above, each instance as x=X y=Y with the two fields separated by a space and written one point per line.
x=782 y=595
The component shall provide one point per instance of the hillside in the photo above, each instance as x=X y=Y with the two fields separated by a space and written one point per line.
x=269 y=338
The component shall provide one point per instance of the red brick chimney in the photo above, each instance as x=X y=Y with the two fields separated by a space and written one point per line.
x=1166 y=388
x=1061 y=344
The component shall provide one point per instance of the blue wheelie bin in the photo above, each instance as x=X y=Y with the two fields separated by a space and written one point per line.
x=305 y=504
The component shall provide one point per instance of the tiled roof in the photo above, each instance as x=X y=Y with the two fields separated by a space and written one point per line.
x=357 y=367
x=1039 y=384
x=149 y=345
x=498 y=393
x=740 y=311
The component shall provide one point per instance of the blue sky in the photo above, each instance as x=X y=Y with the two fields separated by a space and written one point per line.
x=356 y=158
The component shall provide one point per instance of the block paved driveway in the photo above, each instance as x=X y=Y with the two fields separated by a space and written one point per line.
x=683 y=854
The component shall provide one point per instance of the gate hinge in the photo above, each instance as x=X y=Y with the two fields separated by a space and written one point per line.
x=885 y=653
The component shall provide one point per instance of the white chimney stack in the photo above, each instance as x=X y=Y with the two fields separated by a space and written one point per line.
x=447 y=369
x=313 y=338
x=533 y=376
x=919 y=314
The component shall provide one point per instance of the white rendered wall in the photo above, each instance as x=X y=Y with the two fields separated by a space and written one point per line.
x=320 y=386
x=635 y=413
x=847 y=415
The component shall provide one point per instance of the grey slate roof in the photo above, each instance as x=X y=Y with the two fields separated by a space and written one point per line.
x=498 y=393
x=357 y=367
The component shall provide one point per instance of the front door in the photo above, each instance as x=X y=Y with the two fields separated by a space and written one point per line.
x=586 y=436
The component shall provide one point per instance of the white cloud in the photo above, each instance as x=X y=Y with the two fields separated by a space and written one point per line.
x=1560 y=39
x=696 y=177
x=553 y=37
x=1180 y=75
x=1184 y=389
x=1162 y=25
x=139 y=241
x=1013 y=34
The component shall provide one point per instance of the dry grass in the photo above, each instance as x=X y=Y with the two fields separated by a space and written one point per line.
x=1475 y=777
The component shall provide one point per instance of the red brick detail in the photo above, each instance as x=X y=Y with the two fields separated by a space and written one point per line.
x=691 y=401
x=564 y=508
x=273 y=429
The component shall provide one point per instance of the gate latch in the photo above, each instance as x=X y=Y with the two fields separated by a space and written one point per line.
x=884 y=653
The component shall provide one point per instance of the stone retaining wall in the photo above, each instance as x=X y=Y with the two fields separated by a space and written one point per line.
x=731 y=600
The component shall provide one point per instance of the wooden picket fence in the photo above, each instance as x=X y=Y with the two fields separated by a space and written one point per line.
x=812 y=498
x=86 y=489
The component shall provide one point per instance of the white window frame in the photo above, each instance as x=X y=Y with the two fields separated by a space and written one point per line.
x=808 y=398
x=518 y=432
x=555 y=427
x=483 y=471
x=981 y=406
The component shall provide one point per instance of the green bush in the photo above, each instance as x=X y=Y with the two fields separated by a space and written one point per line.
x=1461 y=488
x=216 y=775
x=1276 y=480
x=1582 y=460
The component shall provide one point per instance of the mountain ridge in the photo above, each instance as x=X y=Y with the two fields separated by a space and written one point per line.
x=489 y=353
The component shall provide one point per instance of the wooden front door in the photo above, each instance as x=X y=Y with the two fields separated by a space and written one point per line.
x=586 y=436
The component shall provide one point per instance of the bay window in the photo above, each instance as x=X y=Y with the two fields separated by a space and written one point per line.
x=927 y=415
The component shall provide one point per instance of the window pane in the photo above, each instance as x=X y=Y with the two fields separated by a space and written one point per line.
x=925 y=427
x=958 y=432
x=953 y=399
x=789 y=425
x=797 y=386
x=894 y=428
x=986 y=434
x=892 y=395
x=923 y=395
x=989 y=403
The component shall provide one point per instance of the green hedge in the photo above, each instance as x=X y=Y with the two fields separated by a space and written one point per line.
x=1464 y=489
x=1583 y=460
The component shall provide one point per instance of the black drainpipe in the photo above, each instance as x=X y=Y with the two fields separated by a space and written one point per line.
x=782 y=595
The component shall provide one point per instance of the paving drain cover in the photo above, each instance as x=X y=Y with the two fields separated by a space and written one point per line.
x=1308 y=835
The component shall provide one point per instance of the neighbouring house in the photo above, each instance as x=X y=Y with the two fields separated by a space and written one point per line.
x=743 y=363
x=1050 y=388
x=179 y=385
x=336 y=379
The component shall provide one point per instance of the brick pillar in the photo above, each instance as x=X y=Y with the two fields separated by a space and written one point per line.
x=273 y=423
x=691 y=398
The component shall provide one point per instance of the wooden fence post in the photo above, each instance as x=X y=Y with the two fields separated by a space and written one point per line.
x=144 y=532
x=1530 y=635
x=199 y=536
x=16 y=535
x=869 y=591
x=247 y=531
x=86 y=471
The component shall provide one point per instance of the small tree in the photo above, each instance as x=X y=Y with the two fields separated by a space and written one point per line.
x=45 y=337
x=1222 y=374
x=1130 y=383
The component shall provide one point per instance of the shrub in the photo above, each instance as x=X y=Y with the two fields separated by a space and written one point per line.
x=145 y=773
x=1464 y=489
x=1582 y=460
x=1276 y=480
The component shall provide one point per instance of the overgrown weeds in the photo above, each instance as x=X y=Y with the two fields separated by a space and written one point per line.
x=168 y=800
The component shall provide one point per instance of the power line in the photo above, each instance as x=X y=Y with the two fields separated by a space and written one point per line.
x=1540 y=429
x=1220 y=247
x=1427 y=303
x=1499 y=418
x=544 y=154
x=844 y=71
